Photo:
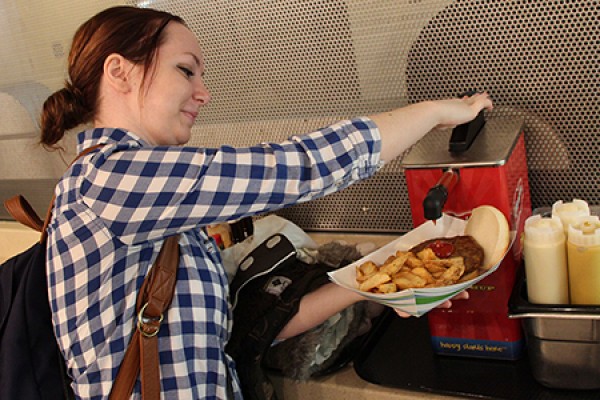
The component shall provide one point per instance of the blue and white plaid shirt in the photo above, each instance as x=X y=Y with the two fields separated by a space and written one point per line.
x=115 y=206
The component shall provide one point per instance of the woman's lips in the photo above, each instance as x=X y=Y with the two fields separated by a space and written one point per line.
x=191 y=115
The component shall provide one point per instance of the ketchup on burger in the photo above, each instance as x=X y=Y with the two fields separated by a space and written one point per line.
x=442 y=249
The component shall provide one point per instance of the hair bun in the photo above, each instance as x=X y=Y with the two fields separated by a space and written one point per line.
x=73 y=95
x=63 y=110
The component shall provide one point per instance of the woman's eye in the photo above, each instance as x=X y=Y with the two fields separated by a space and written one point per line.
x=186 y=71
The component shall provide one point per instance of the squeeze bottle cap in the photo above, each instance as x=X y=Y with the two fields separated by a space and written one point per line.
x=544 y=230
x=569 y=212
x=585 y=232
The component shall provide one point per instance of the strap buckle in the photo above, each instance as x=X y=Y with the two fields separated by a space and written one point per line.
x=148 y=327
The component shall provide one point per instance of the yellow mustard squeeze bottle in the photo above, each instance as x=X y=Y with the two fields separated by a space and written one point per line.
x=583 y=254
x=544 y=249
x=570 y=212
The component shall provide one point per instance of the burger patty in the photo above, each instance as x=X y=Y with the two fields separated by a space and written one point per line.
x=463 y=246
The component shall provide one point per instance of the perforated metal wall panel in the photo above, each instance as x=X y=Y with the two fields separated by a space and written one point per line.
x=277 y=68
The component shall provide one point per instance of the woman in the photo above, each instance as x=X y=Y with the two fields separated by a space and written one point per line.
x=136 y=75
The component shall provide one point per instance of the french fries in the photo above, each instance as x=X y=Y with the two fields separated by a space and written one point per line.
x=408 y=270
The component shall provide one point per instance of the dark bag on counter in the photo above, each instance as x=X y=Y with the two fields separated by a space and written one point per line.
x=266 y=294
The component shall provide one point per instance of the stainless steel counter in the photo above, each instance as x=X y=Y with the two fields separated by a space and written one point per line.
x=345 y=385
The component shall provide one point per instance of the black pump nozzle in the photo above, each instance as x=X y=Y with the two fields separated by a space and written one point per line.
x=433 y=204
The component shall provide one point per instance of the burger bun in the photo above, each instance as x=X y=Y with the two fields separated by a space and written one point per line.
x=489 y=227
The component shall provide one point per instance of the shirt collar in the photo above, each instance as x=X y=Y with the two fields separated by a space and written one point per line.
x=92 y=137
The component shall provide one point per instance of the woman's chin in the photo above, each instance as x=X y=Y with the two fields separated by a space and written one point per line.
x=184 y=138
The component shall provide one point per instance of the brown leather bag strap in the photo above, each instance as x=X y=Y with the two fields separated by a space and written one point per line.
x=22 y=212
x=153 y=299
x=20 y=209
x=51 y=207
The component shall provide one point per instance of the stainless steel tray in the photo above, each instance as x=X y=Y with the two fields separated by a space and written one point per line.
x=563 y=341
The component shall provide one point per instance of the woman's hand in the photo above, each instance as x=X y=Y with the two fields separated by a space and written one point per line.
x=402 y=127
x=464 y=295
x=454 y=112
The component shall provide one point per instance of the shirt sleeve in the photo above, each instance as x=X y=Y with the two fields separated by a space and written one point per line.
x=147 y=193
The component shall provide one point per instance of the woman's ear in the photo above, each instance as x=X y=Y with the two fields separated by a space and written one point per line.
x=117 y=73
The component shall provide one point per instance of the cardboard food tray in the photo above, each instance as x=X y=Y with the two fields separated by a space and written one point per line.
x=416 y=302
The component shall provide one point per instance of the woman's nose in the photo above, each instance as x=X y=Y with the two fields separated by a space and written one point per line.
x=201 y=93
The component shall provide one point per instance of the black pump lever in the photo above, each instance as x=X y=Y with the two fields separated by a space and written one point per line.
x=463 y=135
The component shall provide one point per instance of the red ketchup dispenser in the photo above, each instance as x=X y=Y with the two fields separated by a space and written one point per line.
x=479 y=163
